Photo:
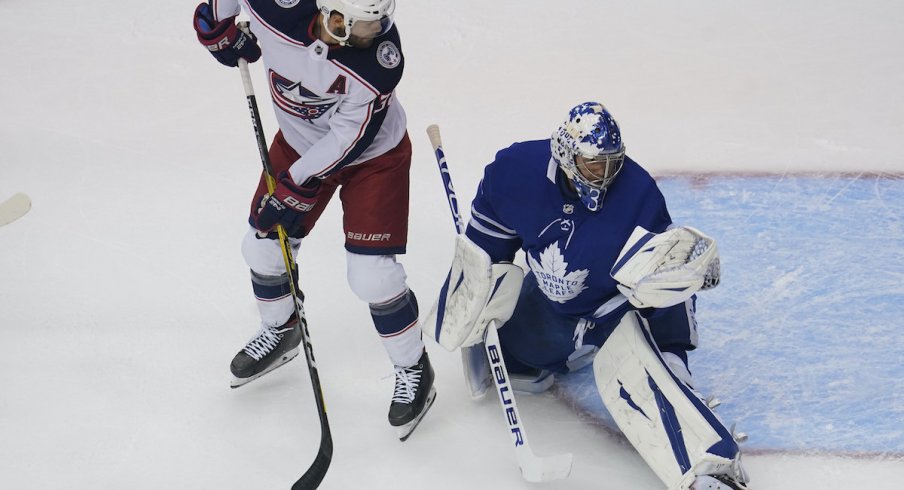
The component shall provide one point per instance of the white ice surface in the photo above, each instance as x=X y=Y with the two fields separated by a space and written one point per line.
x=123 y=294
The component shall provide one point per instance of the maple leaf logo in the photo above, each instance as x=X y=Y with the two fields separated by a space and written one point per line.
x=553 y=277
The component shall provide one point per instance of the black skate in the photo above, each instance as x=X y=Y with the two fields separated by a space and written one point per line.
x=269 y=349
x=413 y=396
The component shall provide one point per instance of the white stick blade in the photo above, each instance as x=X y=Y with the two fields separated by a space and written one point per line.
x=14 y=208
x=433 y=134
x=541 y=469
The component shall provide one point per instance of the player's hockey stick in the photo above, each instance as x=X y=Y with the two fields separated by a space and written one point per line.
x=14 y=208
x=314 y=475
x=533 y=468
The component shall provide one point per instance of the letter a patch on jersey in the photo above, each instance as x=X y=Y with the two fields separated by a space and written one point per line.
x=338 y=86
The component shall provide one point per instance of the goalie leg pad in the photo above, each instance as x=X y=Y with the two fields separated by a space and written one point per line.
x=673 y=430
x=474 y=293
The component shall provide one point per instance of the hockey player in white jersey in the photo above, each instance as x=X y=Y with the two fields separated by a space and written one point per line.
x=332 y=68
x=611 y=281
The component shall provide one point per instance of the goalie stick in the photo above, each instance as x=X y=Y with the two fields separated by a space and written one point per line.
x=14 y=208
x=533 y=468
x=311 y=478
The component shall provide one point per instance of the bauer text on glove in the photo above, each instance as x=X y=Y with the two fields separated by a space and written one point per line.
x=225 y=41
x=287 y=205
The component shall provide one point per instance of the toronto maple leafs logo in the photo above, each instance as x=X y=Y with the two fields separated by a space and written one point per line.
x=295 y=99
x=553 y=277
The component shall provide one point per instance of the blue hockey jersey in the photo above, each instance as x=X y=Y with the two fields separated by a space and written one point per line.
x=524 y=202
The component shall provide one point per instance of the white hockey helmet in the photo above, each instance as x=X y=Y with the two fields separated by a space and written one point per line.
x=591 y=133
x=354 y=11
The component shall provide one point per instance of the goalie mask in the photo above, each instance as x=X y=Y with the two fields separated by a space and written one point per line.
x=589 y=149
x=362 y=19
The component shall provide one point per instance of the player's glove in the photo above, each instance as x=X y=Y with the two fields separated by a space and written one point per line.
x=225 y=41
x=287 y=205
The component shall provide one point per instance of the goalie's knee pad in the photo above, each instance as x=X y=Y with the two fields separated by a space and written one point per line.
x=674 y=431
x=375 y=278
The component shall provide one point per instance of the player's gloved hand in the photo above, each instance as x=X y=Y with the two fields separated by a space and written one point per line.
x=225 y=41
x=287 y=205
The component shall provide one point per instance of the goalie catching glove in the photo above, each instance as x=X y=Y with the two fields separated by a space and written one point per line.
x=665 y=269
x=476 y=292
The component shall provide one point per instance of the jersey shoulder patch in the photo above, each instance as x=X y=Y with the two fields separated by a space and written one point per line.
x=379 y=65
x=388 y=54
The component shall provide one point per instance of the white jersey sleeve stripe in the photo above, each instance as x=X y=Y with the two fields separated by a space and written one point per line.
x=486 y=231
x=485 y=218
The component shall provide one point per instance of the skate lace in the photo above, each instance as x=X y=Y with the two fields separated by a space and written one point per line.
x=266 y=339
x=406 y=384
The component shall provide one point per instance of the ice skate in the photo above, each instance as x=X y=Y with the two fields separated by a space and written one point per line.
x=270 y=348
x=413 y=396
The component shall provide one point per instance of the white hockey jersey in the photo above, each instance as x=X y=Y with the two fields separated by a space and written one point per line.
x=335 y=105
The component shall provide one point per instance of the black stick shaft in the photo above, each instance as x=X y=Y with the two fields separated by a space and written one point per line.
x=314 y=475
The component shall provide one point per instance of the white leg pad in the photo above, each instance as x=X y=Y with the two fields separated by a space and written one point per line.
x=673 y=430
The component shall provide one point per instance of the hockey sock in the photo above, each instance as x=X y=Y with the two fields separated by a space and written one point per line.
x=396 y=322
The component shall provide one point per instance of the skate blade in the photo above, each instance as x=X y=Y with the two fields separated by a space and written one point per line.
x=288 y=356
x=406 y=430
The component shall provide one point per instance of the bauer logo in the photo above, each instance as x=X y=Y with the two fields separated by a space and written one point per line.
x=505 y=394
x=286 y=4
x=369 y=237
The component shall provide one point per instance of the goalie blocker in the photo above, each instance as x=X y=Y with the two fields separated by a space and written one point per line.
x=474 y=293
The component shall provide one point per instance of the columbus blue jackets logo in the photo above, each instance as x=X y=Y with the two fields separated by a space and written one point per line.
x=298 y=101
x=388 y=55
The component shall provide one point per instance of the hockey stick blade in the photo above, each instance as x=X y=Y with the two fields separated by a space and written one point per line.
x=537 y=469
x=14 y=208
x=315 y=474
